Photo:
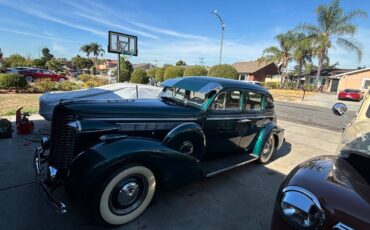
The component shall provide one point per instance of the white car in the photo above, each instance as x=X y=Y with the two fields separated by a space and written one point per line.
x=254 y=82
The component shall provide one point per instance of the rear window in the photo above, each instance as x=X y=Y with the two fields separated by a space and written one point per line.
x=352 y=91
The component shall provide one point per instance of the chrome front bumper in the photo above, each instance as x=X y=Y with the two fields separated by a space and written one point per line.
x=40 y=179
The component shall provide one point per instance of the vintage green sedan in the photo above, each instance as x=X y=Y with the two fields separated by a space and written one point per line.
x=113 y=154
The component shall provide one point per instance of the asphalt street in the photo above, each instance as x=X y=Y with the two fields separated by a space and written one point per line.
x=320 y=117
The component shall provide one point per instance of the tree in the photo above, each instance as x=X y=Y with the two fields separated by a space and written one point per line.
x=159 y=75
x=224 y=70
x=96 y=50
x=139 y=76
x=86 y=49
x=196 y=70
x=126 y=70
x=281 y=54
x=173 y=72
x=15 y=60
x=333 y=26
x=55 y=65
x=38 y=62
x=180 y=63
x=152 y=72
x=46 y=55
x=79 y=62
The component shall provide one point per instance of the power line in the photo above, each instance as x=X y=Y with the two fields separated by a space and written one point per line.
x=201 y=61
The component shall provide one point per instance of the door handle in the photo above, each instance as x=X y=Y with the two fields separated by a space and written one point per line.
x=244 y=120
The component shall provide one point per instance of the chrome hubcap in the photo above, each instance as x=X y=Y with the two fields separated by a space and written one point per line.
x=128 y=194
x=267 y=148
x=187 y=147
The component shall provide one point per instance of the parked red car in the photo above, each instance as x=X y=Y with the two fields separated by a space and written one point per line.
x=34 y=74
x=350 y=94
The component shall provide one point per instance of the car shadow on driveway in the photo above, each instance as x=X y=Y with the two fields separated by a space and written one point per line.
x=284 y=150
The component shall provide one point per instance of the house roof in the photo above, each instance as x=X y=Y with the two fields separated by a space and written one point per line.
x=250 y=66
x=206 y=84
x=144 y=66
x=351 y=72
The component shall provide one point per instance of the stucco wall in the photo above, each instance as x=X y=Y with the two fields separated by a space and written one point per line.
x=353 y=81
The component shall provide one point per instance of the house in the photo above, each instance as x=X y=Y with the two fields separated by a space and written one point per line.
x=107 y=64
x=357 y=79
x=255 y=70
x=325 y=78
x=144 y=66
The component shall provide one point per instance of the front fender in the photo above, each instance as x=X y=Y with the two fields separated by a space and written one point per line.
x=172 y=168
x=269 y=128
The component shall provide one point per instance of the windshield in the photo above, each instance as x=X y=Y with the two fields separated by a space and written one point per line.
x=184 y=96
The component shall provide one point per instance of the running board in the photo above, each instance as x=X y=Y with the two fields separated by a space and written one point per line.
x=214 y=167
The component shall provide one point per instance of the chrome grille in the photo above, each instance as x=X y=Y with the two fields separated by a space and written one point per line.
x=63 y=140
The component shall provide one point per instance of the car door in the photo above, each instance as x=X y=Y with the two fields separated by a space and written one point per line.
x=254 y=111
x=224 y=122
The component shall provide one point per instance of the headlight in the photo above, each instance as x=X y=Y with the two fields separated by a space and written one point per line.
x=301 y=208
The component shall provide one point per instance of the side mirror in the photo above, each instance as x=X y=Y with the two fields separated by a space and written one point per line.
x=339 y=109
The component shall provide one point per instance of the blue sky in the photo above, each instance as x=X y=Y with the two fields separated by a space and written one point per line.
x=167 y=30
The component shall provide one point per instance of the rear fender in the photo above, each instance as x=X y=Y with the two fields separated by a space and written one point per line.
x=269 y=128
x=172 y=168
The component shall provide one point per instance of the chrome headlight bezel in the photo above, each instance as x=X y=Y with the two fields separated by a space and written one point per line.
x=301 y=208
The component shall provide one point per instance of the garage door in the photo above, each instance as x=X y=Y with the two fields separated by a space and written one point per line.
x=334 y=85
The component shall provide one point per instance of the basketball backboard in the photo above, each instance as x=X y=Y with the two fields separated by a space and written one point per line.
x=122 y=43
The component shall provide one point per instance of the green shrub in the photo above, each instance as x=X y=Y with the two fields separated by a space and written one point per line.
x=44 y=85
x=152 y=72
x=85 y=77
x=196 y=70
x=290 y=85
x=159 y=75
x=95 y=82
x=173 y=72
x=225 y=71
x=68 y=86
x=309 y=87
x=139 y=76
x=12 y=81
x=272 y=85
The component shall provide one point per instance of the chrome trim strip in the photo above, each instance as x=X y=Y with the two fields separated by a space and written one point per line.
x=305 y=192
x=341 y=226
x=230 y=167
x=141 y=119
x=234 y=118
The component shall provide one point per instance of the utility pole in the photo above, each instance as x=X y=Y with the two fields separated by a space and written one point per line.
x=222 y=32
x=201 y=61
x=156 y=62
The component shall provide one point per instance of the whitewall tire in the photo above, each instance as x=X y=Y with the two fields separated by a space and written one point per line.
x=126 y=195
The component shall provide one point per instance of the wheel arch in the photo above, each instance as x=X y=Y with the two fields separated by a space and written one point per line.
x=269 y=129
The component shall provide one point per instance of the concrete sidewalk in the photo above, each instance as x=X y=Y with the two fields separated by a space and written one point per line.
x=239 y=199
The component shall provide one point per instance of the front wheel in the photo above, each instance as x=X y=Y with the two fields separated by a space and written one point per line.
x=61 y=80
x=29 y=79
x=268 y=150
x=124 y=195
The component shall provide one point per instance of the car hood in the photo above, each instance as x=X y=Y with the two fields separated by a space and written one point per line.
x=139 y=109
x=340 y=188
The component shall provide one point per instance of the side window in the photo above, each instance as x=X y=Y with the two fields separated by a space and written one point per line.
x=253 y=102
x=227 y=101
x=269 y=103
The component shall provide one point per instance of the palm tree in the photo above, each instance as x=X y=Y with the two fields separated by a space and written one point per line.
x=302 y=52
x=334 y=26
x=96 y=50
x=86 y=49
x=282 y=54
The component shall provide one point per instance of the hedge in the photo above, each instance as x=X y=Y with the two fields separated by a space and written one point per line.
x=196 y=70
x=159 y=75
x=139 y=76
x=173 y=72
x=12 y=81
x=225 y=71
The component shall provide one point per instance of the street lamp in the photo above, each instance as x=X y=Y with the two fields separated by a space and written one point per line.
x=222 y=31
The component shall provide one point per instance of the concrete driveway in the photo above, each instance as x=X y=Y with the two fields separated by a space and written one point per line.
x=239 y=199
x=328 y=100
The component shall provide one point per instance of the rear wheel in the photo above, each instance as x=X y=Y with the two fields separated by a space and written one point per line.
x=124 y=195
x=29 y=79
x=60 y=80
x=268 y=150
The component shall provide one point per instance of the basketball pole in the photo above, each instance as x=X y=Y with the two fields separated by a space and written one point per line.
x=119 y=67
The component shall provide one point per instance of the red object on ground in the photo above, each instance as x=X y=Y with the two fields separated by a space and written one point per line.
x=24 y=125
x=350 y=94
x=34 y=74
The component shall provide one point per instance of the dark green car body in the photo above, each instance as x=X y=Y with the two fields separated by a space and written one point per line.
x=90 y=139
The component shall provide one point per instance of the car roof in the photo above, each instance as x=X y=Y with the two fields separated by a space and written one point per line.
x=206 y=84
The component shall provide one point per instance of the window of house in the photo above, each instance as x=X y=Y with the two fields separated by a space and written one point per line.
x=229 y=100
x=242 y=77
x=366 y=84
x=253 y=102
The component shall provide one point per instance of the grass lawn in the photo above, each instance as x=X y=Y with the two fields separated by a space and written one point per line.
x=288 y=95
x=10 y=102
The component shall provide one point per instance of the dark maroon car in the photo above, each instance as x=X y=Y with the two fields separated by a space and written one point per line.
x=350 y=94
x=330 y=192
x=34 y=74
